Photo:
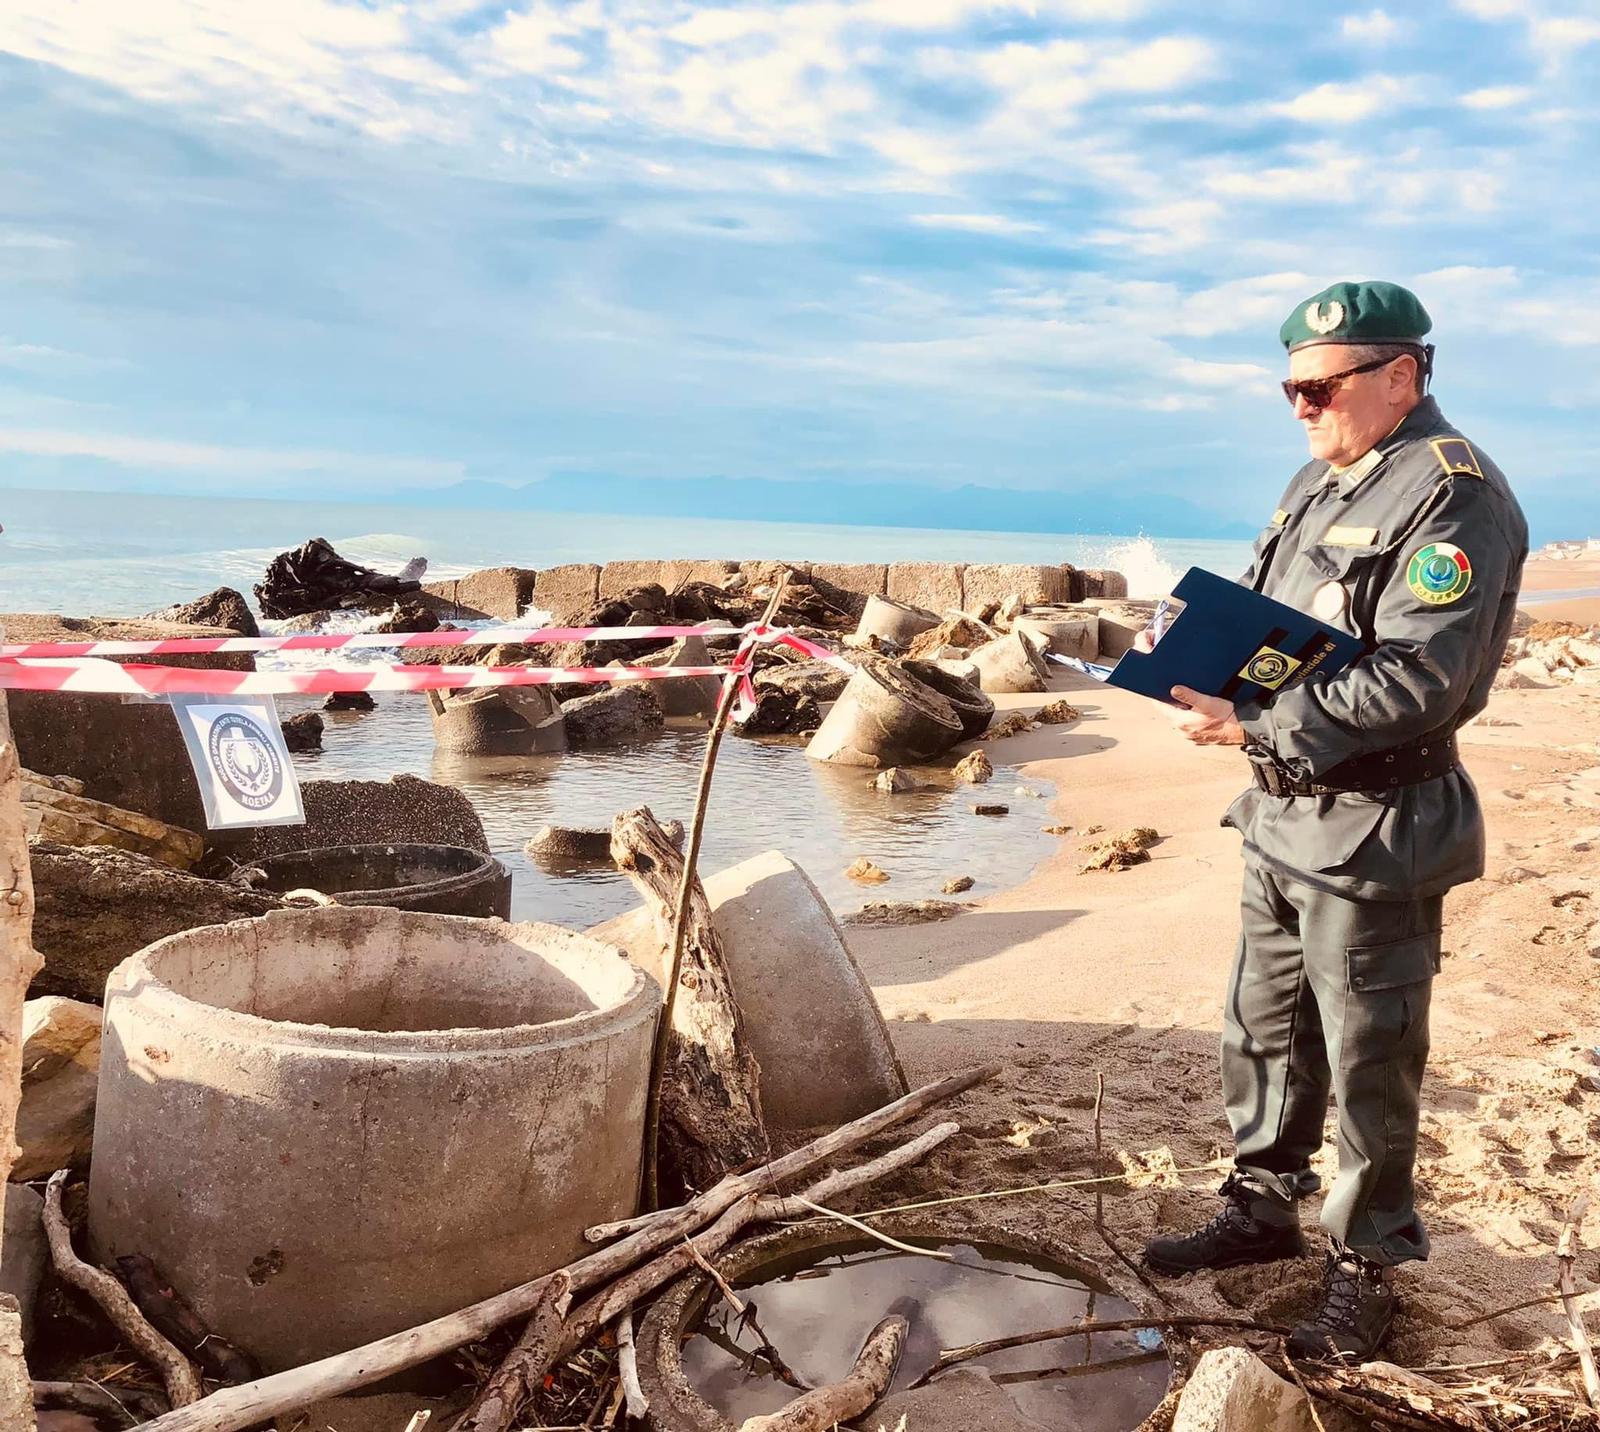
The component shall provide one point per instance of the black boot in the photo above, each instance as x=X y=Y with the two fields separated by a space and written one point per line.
x=1235 y=1236
x=1358 y=1306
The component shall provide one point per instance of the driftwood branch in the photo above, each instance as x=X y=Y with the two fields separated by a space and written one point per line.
x=94 y=1399
x=177 y=1374
x=684 y=935
x=235 y=1408
x=628 y=1369
x=175 y=1320
x=495 y=1407
x=1566 y=1255
x=708 y=1112
x=866 y=1382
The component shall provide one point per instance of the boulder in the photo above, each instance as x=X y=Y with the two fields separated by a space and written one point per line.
x=889 y=620
x=820 y=680
x=409 y=616
x=1063 y=631
x=350 y=701
x=493 y=594
x=781 y=713
x=1528 y=674
x=934 y=585
x=60 y=1070
x=1010 y=664
x=785 y=954
x=959 y=633
x=302 y=731
x=27 y=1251
x=1232 y=1390
x=886 y=717
x=127 y=754
x=975 y=769
x=406 y=810
x=684 y=695
x=613 y=714
x=55 y=813
x=580 y=845
x=314 y=577
x=1102 y=582
x=497 y=721
x=895 y=781
x=566 y=590
x=221 y=608
x=95 y=907
x=1032 y=585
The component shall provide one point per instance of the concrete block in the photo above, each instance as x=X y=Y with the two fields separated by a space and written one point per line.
x=1103 y=582
x=27 y=1251
x=1073 y=584
x=866 y=579
x=994 y=582
x=1232 y=1390
x=61 y=1068
x=568 y=591
x=763 y=571
x=494 y=593
x=619 y=577
x=809 y=1014
x=128 y=755
x=934 y=585
x=422 y=1108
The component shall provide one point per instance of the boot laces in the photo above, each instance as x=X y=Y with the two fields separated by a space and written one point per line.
x=1347 y=1279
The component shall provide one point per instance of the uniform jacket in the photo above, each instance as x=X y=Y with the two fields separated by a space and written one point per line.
x=1351 y=547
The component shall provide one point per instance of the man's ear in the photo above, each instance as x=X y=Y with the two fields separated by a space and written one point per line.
x=1406 y=373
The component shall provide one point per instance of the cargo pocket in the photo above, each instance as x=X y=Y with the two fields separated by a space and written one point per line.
x=1400 y=962
x=1386 y=1002
x=1349 y=820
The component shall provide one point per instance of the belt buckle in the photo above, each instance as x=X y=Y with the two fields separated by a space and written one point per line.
x=1268 y=774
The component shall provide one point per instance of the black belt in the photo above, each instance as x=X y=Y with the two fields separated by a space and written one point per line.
x=1433 y=755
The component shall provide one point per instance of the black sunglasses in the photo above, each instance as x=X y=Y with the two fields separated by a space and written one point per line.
x=1318 y=392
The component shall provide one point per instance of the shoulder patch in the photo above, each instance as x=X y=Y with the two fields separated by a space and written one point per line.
x=1439 y=574
x=1279 y=518
x=1456 y=457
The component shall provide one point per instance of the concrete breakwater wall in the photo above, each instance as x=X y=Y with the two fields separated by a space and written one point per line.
x=504 y=593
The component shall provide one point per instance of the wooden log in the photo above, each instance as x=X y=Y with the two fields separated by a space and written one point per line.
x=175 y=1320
x=235 y=1408
x=710 y=1102
x=495 y=1408
x=177 y=1374
x=866 y=1382
x=18 y=960
x=1566 y=1255
x=628 y=1369
x=126 y=1404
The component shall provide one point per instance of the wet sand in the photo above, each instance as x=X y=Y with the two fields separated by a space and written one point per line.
x=1069 y=974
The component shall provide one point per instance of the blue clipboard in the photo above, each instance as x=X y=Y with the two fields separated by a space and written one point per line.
x=1232 y=642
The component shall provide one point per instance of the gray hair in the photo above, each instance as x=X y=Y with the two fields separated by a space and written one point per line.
x=1361 y=353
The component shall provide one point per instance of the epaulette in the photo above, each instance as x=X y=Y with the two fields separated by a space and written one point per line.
x=1456 y=457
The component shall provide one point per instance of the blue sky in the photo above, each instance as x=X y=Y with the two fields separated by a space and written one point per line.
x=358 y=249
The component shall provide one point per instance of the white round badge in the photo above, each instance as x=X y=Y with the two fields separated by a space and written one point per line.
x=1330 y=601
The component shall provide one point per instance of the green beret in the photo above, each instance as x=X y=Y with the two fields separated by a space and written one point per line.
x=1357 y=313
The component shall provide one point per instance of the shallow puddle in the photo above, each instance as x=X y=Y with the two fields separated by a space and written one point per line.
x=817 y=1314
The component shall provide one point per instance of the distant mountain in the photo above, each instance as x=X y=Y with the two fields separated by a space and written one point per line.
x=967 y=508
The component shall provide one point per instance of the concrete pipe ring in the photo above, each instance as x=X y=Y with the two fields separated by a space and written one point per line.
x=889 y=620
x=974 y=708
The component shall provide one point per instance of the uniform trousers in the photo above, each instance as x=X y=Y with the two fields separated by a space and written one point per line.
x=1330 y=994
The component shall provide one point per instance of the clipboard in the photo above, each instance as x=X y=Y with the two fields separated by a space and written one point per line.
x=1231 y=642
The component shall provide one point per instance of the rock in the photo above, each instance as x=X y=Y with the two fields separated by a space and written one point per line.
x=885 y=717
x=1103 y=582
x=991 y=810
x=613 y=714
x=890 y=620
x=404 y=811
x=960 y=632
x=94 y=907
x=409 y=616
x=497 y=721
x=350 y=701
x=303 y=731
x=314 y=576
x=16 y=1388
x=965 y=1399
x=1528 y=674
x=818 y=680
x=52 y=813
x=27 y=1251
x=221 y=608
x=781 y=713
x=562 y=844
x=958 y=885
x=1057 y=713
x=494 y=594
x=935 y=586
x=686 y=695
x=61 y=1067
x=565 y=591
x=1119 y=852
x=906 y=912
x=1056 y=829
x=1010 y=664
x=787 y=955
x=975 y=769
x=866 y=872
x=1232 y=1390
x=895 y=781
x=1013 y=725
x=1028 y=585
x=129 y=755
x=669 y=574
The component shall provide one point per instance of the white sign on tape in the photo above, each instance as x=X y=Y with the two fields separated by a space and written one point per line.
x=237 y=749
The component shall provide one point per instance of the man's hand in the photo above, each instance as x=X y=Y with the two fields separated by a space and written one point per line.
x=1207 y=721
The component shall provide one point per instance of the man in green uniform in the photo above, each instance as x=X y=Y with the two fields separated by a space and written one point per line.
x=1360 y=817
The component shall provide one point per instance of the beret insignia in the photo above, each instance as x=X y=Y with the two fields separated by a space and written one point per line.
x=1324 y=317
x=1439 y=574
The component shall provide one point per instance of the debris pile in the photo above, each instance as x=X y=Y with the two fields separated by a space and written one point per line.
x=315 y=578
x=1551 y=654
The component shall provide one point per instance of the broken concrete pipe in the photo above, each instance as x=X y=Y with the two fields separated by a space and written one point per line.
x=889 y=620
x=1063 y=631
x=974 y=708
x=886 y=717
x=436 y=879
x=1010 y=663
x=415 y=1110
x=562 y=845
x=498 y=721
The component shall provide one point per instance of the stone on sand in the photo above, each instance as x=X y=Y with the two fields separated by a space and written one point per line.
x=1232 y=1390
x=61 y=1071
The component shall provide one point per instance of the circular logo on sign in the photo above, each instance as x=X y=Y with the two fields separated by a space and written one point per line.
x=1268 y=667
x=246 y=761
x=1439 y=573
x=1329 y=602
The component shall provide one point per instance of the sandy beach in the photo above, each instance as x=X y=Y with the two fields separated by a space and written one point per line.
x=1122 y=974
x=1543 y=576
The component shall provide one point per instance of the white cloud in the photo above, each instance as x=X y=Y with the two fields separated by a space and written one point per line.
x=1375 y=27
x=131 y=451
x=1497 y=97
x=976 y=223
x=1343 y=103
